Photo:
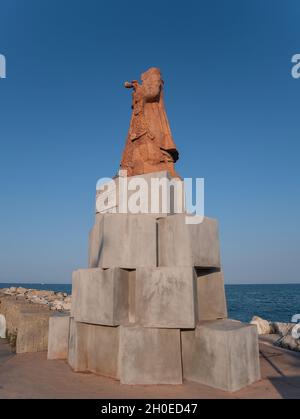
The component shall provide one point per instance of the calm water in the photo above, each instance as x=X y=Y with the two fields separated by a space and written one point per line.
x=272 y=302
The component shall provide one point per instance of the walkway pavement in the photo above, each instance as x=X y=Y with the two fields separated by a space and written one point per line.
x=32 y=376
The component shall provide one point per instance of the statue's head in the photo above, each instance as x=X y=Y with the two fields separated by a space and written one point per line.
x=152 y=80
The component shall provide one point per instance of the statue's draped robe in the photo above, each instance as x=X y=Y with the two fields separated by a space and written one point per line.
x=149 y=146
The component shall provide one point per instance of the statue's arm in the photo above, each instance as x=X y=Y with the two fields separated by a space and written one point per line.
x=131 y=84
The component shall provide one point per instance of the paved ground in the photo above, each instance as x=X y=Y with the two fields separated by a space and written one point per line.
x=32 y=376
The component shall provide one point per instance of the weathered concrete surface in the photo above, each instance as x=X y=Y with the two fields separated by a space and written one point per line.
x=58 y=338
x=124 y=241
x=32 y=376
x=133 y=354
x=95 y=241
x=150 y=356
x=181 y=244
x=221 y=354
x=211 y=295
x=164 y=195
x=77 y=355
x=32 y=335
x=26 y=324
x=94 y=348
x=131 y=296
x=166 y=297
x=100 y=296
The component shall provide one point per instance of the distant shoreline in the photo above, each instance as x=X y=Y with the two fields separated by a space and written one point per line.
x=273 y=302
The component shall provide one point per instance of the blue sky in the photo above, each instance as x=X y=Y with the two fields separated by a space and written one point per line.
x=231 y=101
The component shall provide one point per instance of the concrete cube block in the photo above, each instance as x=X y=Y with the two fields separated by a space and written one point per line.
x=181 y=244
x=100 y=296
x=94 y=349
x=123 y=240
x=58 y=338
x=149 y=356
x=26 y=324
x=32 y=333
x=211 y=295
x=222 y=354
x=77 y=354
x=95 y=241
x=103 y=350
x=166 y=297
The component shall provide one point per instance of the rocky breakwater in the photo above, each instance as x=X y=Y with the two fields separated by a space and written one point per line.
x=279 y=334
x=27 y=312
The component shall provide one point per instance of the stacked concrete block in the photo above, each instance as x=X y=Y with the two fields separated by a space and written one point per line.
x=151 y=307
x=211 y=297
x=94 y=348
x=150 y=355
x=182 y=244
x=166 y=297
x=58 y=338
x=100 y=296
x=124 y=241
x=221 y=354
x=131 y=354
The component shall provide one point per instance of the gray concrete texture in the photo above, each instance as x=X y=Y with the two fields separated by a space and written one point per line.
x=132 y=354
x=27 y=325
x=123 y=241
x=94 y=348
x=211 y=295
x=222 y=354
x=166 y=297
x=181 y=244
x=100 y=296
x=162 y=297
x=150 y=356
x=58 y=338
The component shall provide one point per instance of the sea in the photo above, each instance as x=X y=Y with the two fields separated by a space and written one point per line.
x=278 y=302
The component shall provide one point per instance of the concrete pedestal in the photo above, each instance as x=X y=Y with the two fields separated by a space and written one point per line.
x=151 y=308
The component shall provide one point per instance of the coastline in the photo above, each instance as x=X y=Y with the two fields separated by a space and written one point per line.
x=24 y=316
